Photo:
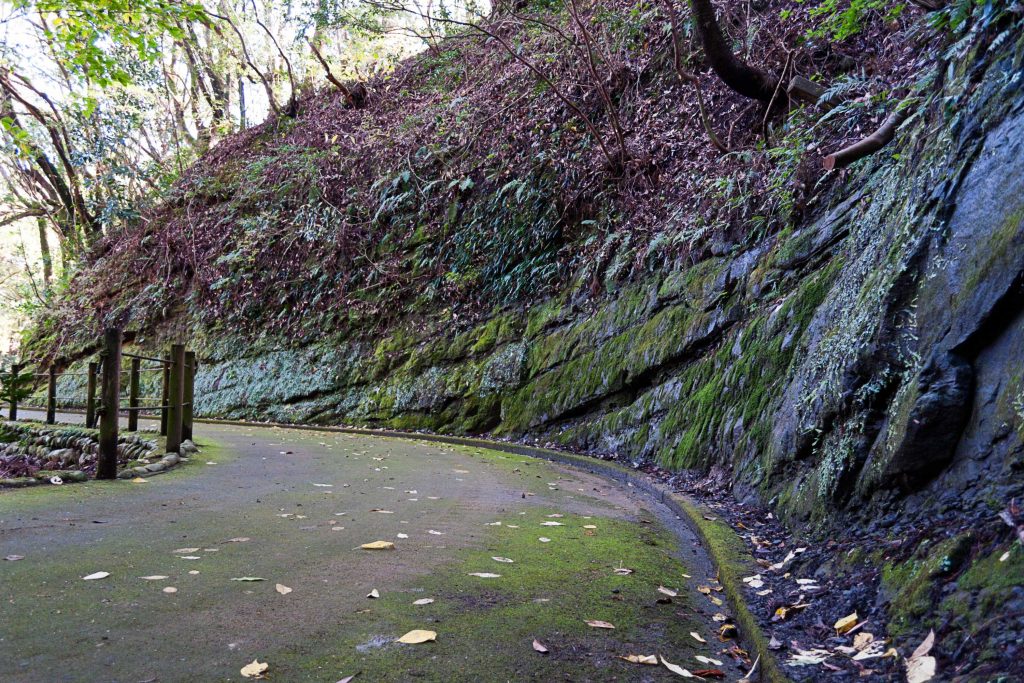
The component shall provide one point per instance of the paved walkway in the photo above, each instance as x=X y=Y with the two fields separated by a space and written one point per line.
x=293 y=507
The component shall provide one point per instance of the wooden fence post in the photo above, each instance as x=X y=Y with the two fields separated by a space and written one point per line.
x=90 y=395
x=165 y=399
x=189 y=395
x=106 y=465
x=15 y=381
x=51 y=397
x=133 y=396
x=177 y=397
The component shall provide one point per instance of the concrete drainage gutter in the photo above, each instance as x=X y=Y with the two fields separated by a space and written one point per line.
x=723 y=546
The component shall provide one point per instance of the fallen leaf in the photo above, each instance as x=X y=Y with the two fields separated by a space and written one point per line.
x=97 y=575
x=696 y=636
x=544 y=539
x=846 y=623
x=170 y=589
x=667 y=591
x=254 y=669
x=808 y=657
x=707 y=660
x=154 y=577
x=921 y=666
x=324 y=485
x=374 y=594
x=539 y=647
x=185 y=551
x=503 y=559
x=139 y=480
x=378 y=545
x=193 y=571
x=709 y=673
x=237 y=539
x=706 y=590
x=551 y=524
x=676 y=669
x=717 y=602
x=383 y=512
x=622 y=571
x=401 y=535
x=783 y=613
x=862 y=640
x=423 y=601
x=435 y=532
x=591 y=526
x=640 y=659
x=282 y=589
x=14 y=558
x=485 y=575
x=417 y=636
x=719 y=617
x=597 y=623
x=189 y=557
x=727 y=631
x=248 y=579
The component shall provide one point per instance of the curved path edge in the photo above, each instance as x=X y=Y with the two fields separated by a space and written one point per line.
x=726 y=550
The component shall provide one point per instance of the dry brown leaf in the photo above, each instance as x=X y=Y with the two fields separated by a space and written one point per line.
x=539 y=647
x=417 y=636
x=597 y=623
x=254 y=669
x=862 y=640
x=640 y=659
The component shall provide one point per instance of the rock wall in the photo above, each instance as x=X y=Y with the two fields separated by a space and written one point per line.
x=874 y=353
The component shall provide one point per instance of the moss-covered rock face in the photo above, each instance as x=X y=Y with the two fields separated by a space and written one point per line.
x=871 y=353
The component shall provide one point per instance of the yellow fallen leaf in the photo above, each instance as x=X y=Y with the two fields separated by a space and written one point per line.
x=417 y=636
x=597 y=623
x=254 y=669
x=716 y=601
x=282 y=589
x=139 y=480
x=846 y=623
x=719 y=617
x=696 y=636
x=706 y=590
x=378 y=545
x=640 y=659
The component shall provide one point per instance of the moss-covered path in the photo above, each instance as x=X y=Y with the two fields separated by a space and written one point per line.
x=293 y=507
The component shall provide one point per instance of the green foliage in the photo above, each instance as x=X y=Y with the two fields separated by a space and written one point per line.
x=841 y=19
x=86 y=30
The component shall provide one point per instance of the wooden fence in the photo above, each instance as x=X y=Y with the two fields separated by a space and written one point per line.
x=103 y=376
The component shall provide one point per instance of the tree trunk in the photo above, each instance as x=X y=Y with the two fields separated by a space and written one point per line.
x=44 y=251
x=737 y=74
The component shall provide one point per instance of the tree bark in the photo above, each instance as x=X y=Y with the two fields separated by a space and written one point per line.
x=734 y=72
